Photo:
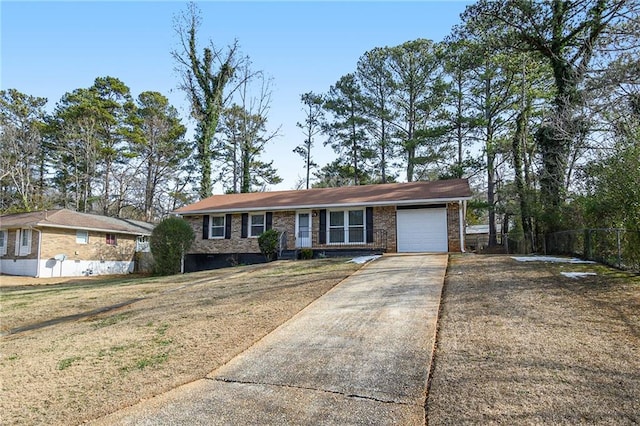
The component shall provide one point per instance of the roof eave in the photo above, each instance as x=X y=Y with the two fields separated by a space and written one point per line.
x=87 y=228
x=324 y=206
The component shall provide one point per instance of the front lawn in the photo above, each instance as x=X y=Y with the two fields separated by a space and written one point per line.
x=520 y=343
x=175 y=330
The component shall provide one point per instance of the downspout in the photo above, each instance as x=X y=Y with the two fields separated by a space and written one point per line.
x=39 y=251
x=462 y=207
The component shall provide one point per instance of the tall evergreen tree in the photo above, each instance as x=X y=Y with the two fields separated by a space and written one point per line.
x=157 y=142
x=74 y=133
x=420 y=92
x=348 y=126
x=243 y=138
x=112 y=102
x=311 y=127
x=378 y=88
x=21 y=151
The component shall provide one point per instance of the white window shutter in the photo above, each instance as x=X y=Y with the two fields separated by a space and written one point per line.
x=5 y=243
x=17 y=251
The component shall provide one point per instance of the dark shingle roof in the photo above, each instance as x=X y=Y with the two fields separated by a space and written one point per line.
x=64 y=218
x=382 y=194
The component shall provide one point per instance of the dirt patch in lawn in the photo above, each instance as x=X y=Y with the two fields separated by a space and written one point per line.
x=182 y=328
x=519 y=343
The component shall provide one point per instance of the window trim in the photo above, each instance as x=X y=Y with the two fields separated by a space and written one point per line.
x=250 y=224
x=86 y=240
x=224 y=224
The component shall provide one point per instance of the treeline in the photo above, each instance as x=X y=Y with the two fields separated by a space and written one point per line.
x=105 y=151
x=538 y=103
x=101 y=150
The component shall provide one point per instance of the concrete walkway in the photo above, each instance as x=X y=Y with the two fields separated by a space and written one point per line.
x=360 y=354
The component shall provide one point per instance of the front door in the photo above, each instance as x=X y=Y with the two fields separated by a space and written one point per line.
x=303 y=229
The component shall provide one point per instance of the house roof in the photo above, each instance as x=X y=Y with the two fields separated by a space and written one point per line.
x=64 y=218
x=364 y=195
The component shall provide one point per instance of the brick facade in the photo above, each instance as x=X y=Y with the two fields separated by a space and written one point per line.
x=453 y=226
x=384 y=218
x=63 y=241
x=93 y=257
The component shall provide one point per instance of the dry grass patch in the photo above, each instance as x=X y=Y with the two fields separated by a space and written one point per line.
x=519 y=343
x=183 y=328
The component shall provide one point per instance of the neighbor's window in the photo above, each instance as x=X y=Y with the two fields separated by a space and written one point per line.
x=82 y=237
x=3 y=242
x=111 y=239
x=25 y=242
x=217 y=227
x=257 y=225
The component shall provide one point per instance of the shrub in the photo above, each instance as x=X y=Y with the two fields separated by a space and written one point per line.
x=169 y=240
x=268 y=243
x=306 y=254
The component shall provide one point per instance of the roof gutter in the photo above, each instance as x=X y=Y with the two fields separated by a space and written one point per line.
x=324 y=206
x=39 y=251
x=462 y=209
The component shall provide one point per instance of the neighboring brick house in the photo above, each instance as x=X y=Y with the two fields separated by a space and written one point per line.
x=396 y=217
x=63 y=242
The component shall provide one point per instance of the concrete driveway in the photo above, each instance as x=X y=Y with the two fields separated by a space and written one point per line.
x=360 y=354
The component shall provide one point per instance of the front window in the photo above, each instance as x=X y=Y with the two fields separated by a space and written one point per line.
x=346 y=226
x=356 y=226
x=336 y=227
x=217 y=227
x=257 y=225
x=82 y=237
x=111 y=240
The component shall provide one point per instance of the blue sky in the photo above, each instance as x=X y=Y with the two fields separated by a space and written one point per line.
x=50 y=48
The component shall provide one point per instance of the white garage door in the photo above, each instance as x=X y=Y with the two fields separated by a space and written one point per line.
x=422 y=230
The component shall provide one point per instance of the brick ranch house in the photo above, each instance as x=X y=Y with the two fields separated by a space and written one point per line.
x=63 y=243
x=395 y=217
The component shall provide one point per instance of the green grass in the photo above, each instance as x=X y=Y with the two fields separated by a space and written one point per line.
x=113 y=319
x=111 y=351
x=65 y=363
x=147 y=362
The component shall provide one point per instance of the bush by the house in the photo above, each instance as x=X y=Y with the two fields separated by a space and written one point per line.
x=306 y=254
x=268 y=243
x=169 y=240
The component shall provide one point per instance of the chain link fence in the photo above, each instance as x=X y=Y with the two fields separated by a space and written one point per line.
x=615 y=247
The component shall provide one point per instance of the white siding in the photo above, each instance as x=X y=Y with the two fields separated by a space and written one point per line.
x=22 y=267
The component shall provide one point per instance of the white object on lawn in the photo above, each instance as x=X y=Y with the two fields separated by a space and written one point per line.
x=364 y=259
x=550 y=259
x=576 y=275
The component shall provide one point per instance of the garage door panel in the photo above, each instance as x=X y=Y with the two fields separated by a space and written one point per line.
x=422 y=230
